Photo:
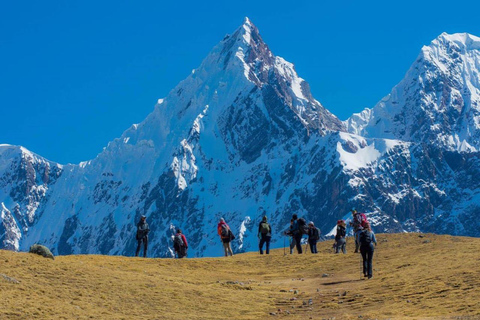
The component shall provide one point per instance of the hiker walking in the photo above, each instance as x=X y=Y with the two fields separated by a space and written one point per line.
x=340 y=241
x=180 y=244
x=358 y=221
x=367 y=239
x=296 y=233
x=313 y=236
x=226 y=236
x=265 y=235
x=142 y=236
x=289 y=233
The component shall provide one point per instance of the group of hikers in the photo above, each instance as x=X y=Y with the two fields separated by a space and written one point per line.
x=298 y=228
x=180 y=244
x=362 y=232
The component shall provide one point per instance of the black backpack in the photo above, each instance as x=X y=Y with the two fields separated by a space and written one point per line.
x=302 y=225
x=365 y=237
x=178 y=241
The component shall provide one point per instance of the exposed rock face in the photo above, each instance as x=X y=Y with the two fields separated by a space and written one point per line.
x=25 y=180
x=242 y=137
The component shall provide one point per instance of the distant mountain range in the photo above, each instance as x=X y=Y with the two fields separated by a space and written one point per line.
x=243 y=137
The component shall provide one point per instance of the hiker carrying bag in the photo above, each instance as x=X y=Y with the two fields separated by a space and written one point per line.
x=178 y=242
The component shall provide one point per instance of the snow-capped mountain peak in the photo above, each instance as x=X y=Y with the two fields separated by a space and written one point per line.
x=249 y=32
x=210 y=133
x=438 y=100
x=464 y=40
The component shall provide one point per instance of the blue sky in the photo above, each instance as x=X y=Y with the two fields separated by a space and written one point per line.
x=76 y=74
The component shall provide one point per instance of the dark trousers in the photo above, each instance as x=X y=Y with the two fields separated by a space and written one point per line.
x=298 y=242
x=266 y=240
x=145 y=246
x=367 y=255
x=313 y=245
x=181 y=252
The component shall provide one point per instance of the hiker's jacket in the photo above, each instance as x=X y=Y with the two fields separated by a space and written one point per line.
x=295 y=227
x=341 y=232
x=142 y=230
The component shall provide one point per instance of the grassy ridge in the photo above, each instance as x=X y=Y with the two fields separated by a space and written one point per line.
x=433 y=277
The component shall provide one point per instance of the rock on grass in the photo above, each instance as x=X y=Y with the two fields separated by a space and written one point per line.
x=9 y=279
x=41 y=250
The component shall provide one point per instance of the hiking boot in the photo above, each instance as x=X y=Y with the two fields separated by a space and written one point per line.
x=370 y=276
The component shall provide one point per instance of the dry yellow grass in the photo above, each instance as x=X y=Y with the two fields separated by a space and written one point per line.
x=434 y=277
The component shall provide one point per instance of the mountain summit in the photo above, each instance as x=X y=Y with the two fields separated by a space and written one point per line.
x=243 y=113
x=438 y=100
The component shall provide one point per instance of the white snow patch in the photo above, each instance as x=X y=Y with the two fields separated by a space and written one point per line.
x=367 y=151
x=247 y=26
x=287 y=70
x=242 y=231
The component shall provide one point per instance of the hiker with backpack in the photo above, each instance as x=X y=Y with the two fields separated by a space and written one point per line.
x=358 y=221
x=142 y=236
x=367 y=239
x=340 y=241
x=265 y=235
x=296 y=230
x=313 y=236
x=180 y=244
x=226 y=235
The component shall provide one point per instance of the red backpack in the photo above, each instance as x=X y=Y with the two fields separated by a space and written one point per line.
x=363 y=219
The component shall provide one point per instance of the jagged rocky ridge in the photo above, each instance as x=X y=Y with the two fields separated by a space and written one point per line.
x=241 y=137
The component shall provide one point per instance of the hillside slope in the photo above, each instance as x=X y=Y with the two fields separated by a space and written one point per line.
x=416 y=277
